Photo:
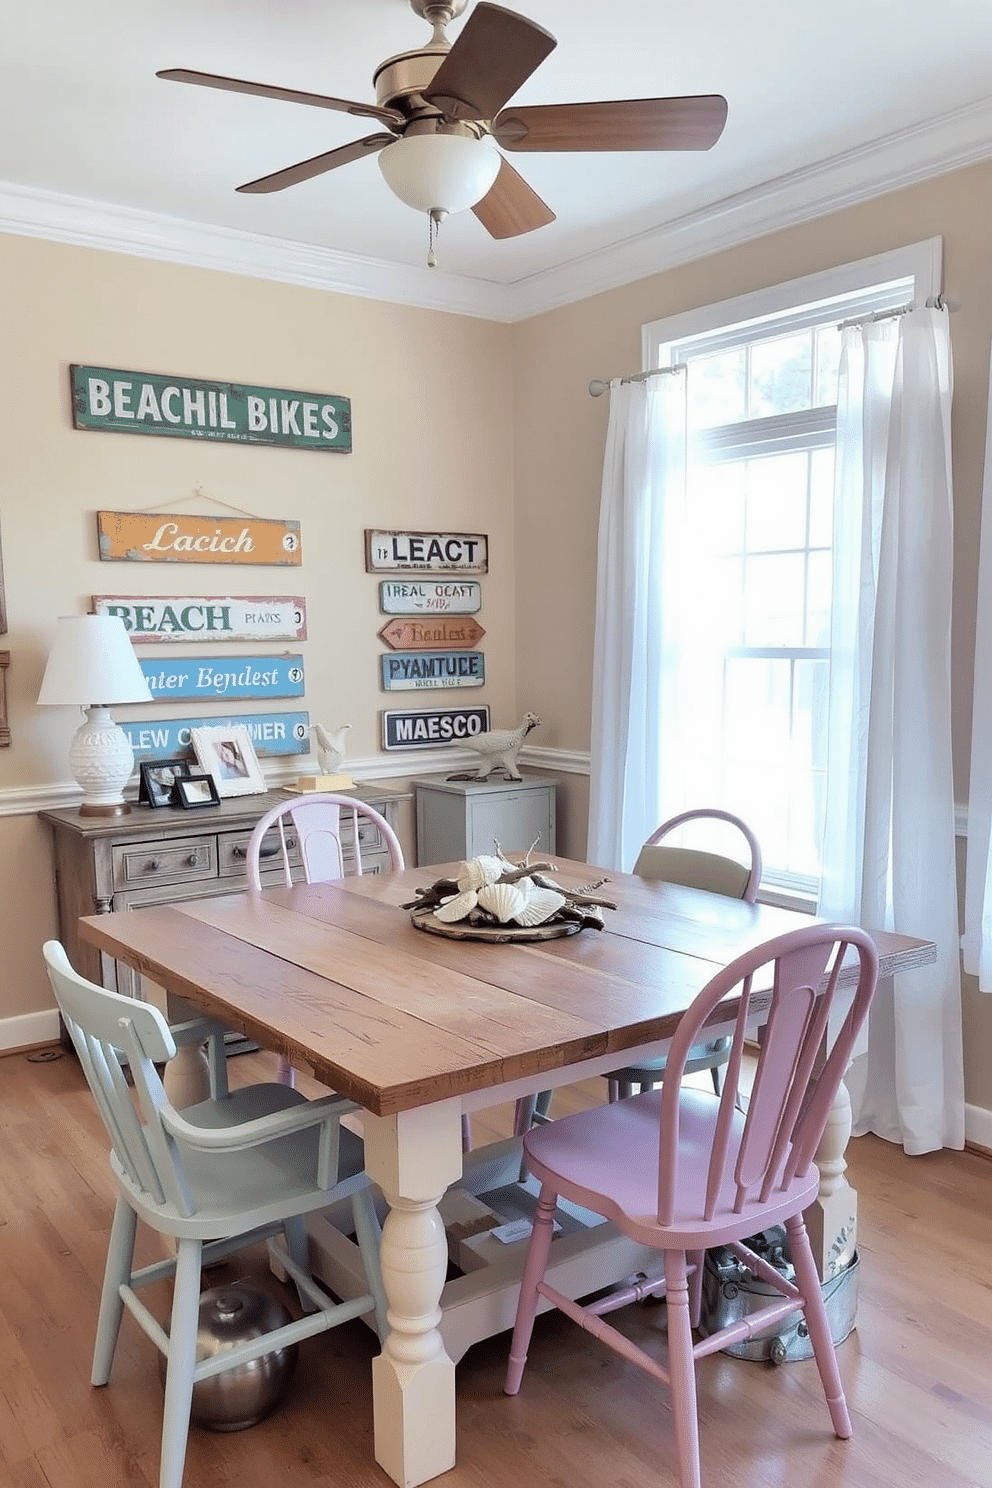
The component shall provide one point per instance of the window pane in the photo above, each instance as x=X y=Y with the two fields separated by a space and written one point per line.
x=716 y=506
x=715 y=388
x=774 y=607
x=820 y=578
x=821 y=498
x=776 y=502
x=827 y=363
x=781 y=375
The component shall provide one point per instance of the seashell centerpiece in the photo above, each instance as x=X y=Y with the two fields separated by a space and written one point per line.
x=492 y=898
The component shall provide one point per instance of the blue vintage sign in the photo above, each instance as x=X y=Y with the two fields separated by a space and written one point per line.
x=427 y=728
x=406 y=670
x=270 y=733
x=183 y=677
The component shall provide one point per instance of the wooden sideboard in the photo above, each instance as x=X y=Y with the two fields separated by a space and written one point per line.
x=162 y=856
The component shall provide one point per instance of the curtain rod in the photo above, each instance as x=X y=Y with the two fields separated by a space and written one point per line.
x=935 y=302
x=597 y=387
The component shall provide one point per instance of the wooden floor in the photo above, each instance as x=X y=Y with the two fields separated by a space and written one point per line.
x=918 y=1369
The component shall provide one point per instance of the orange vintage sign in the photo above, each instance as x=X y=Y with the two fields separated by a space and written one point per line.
x=171 y=537
x=451 y=632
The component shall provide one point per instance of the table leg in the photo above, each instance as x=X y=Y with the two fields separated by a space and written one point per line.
x=413 y=1157
x=832 y=1218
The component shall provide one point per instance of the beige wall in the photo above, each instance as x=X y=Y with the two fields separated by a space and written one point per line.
x=559 y=432
x=432 y=449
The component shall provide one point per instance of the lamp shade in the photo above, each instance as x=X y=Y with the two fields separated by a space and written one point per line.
x=440 y=172
x=91 y=662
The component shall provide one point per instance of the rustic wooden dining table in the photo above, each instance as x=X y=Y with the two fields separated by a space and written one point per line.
x=418 y=1029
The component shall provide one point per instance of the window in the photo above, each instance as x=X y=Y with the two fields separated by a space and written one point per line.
x=748 y=696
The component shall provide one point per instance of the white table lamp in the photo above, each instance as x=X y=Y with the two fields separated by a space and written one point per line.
x=92 y=665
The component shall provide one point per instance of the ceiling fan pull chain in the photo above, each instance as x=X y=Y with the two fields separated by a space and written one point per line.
x=434 y=218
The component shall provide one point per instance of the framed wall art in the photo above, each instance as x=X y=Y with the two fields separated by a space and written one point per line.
x=227 y=753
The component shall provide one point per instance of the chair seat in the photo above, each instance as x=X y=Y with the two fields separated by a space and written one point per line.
x=577 y=1157
x=258 y=1185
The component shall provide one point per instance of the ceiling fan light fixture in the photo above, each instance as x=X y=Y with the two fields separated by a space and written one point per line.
x=440 y=172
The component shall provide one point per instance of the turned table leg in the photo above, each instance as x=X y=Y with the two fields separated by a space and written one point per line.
x=832 y=1218
x=414 y=1156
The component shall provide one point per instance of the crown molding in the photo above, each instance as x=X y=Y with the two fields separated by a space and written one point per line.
x=930 y=149
x=949 y=142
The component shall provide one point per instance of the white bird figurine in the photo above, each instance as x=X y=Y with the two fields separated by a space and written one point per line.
x=330 y=747
x=498 y=749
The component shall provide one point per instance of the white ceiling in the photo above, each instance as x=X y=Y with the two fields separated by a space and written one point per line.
x=827 y=101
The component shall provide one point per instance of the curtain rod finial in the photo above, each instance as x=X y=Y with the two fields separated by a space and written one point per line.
x=597 y=388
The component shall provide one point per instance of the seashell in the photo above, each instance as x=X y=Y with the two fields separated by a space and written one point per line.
x=478 y=872
x=502 y=900
x=540 y=905
x=457 y=907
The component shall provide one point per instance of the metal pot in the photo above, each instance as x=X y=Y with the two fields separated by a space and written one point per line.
x=243 y=1395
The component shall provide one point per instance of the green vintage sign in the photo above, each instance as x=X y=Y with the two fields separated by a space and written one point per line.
x=192 y=408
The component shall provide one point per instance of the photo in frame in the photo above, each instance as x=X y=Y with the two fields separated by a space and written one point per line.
x=226 y=752
x=193 y=791
x=158 y=780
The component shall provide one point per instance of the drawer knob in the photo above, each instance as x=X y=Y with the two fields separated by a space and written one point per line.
x=154 y=865
x=193 y=860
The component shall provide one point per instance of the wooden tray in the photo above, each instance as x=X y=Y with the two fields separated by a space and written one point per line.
x=497 y=934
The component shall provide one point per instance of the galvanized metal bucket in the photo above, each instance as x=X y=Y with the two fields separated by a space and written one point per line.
x=731 y=1291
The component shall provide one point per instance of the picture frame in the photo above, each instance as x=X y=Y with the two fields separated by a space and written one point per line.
x=158 y=779
x=196 y=791
x=227 y=753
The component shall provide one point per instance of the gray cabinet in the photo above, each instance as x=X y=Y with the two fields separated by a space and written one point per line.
x=459 y=819
x=154 y=857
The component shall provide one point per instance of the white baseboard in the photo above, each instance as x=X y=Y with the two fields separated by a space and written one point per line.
x=28 y=1030
x=978 y=1127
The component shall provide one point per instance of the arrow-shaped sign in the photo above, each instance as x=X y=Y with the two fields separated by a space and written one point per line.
x=443 y=632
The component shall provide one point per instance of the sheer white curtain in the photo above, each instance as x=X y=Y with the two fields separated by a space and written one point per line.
x=643 y=499
x=977 y=941
x=888 y=855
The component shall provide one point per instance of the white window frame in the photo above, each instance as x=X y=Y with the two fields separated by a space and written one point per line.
x=867 y=288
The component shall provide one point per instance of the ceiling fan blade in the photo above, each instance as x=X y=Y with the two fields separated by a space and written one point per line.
x=693 y=123
x=510 y=207
x=287 y=95
x=304 y=170
x=493 y=55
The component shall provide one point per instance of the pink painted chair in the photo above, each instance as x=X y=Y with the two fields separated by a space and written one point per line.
x=313 y=830
x=681 y=1169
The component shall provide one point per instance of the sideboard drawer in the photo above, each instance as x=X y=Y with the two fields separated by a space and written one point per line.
x=178 y=860
x=232 y=853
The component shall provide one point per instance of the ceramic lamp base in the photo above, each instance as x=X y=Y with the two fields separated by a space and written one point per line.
x=101 y=760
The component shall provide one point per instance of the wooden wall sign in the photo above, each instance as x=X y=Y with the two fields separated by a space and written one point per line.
x=233 y=677
x=461 y=552
x=247 y=617
x=166 y=537
x=404 y=670
x=430 y=596
x=422 y=635
x=270 y=733
x=428 y=728
x=193 y=408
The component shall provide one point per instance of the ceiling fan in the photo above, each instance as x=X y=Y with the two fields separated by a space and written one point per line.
x=442 y=106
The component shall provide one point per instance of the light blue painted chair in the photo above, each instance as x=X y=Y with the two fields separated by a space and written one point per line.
x=242 y=1167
